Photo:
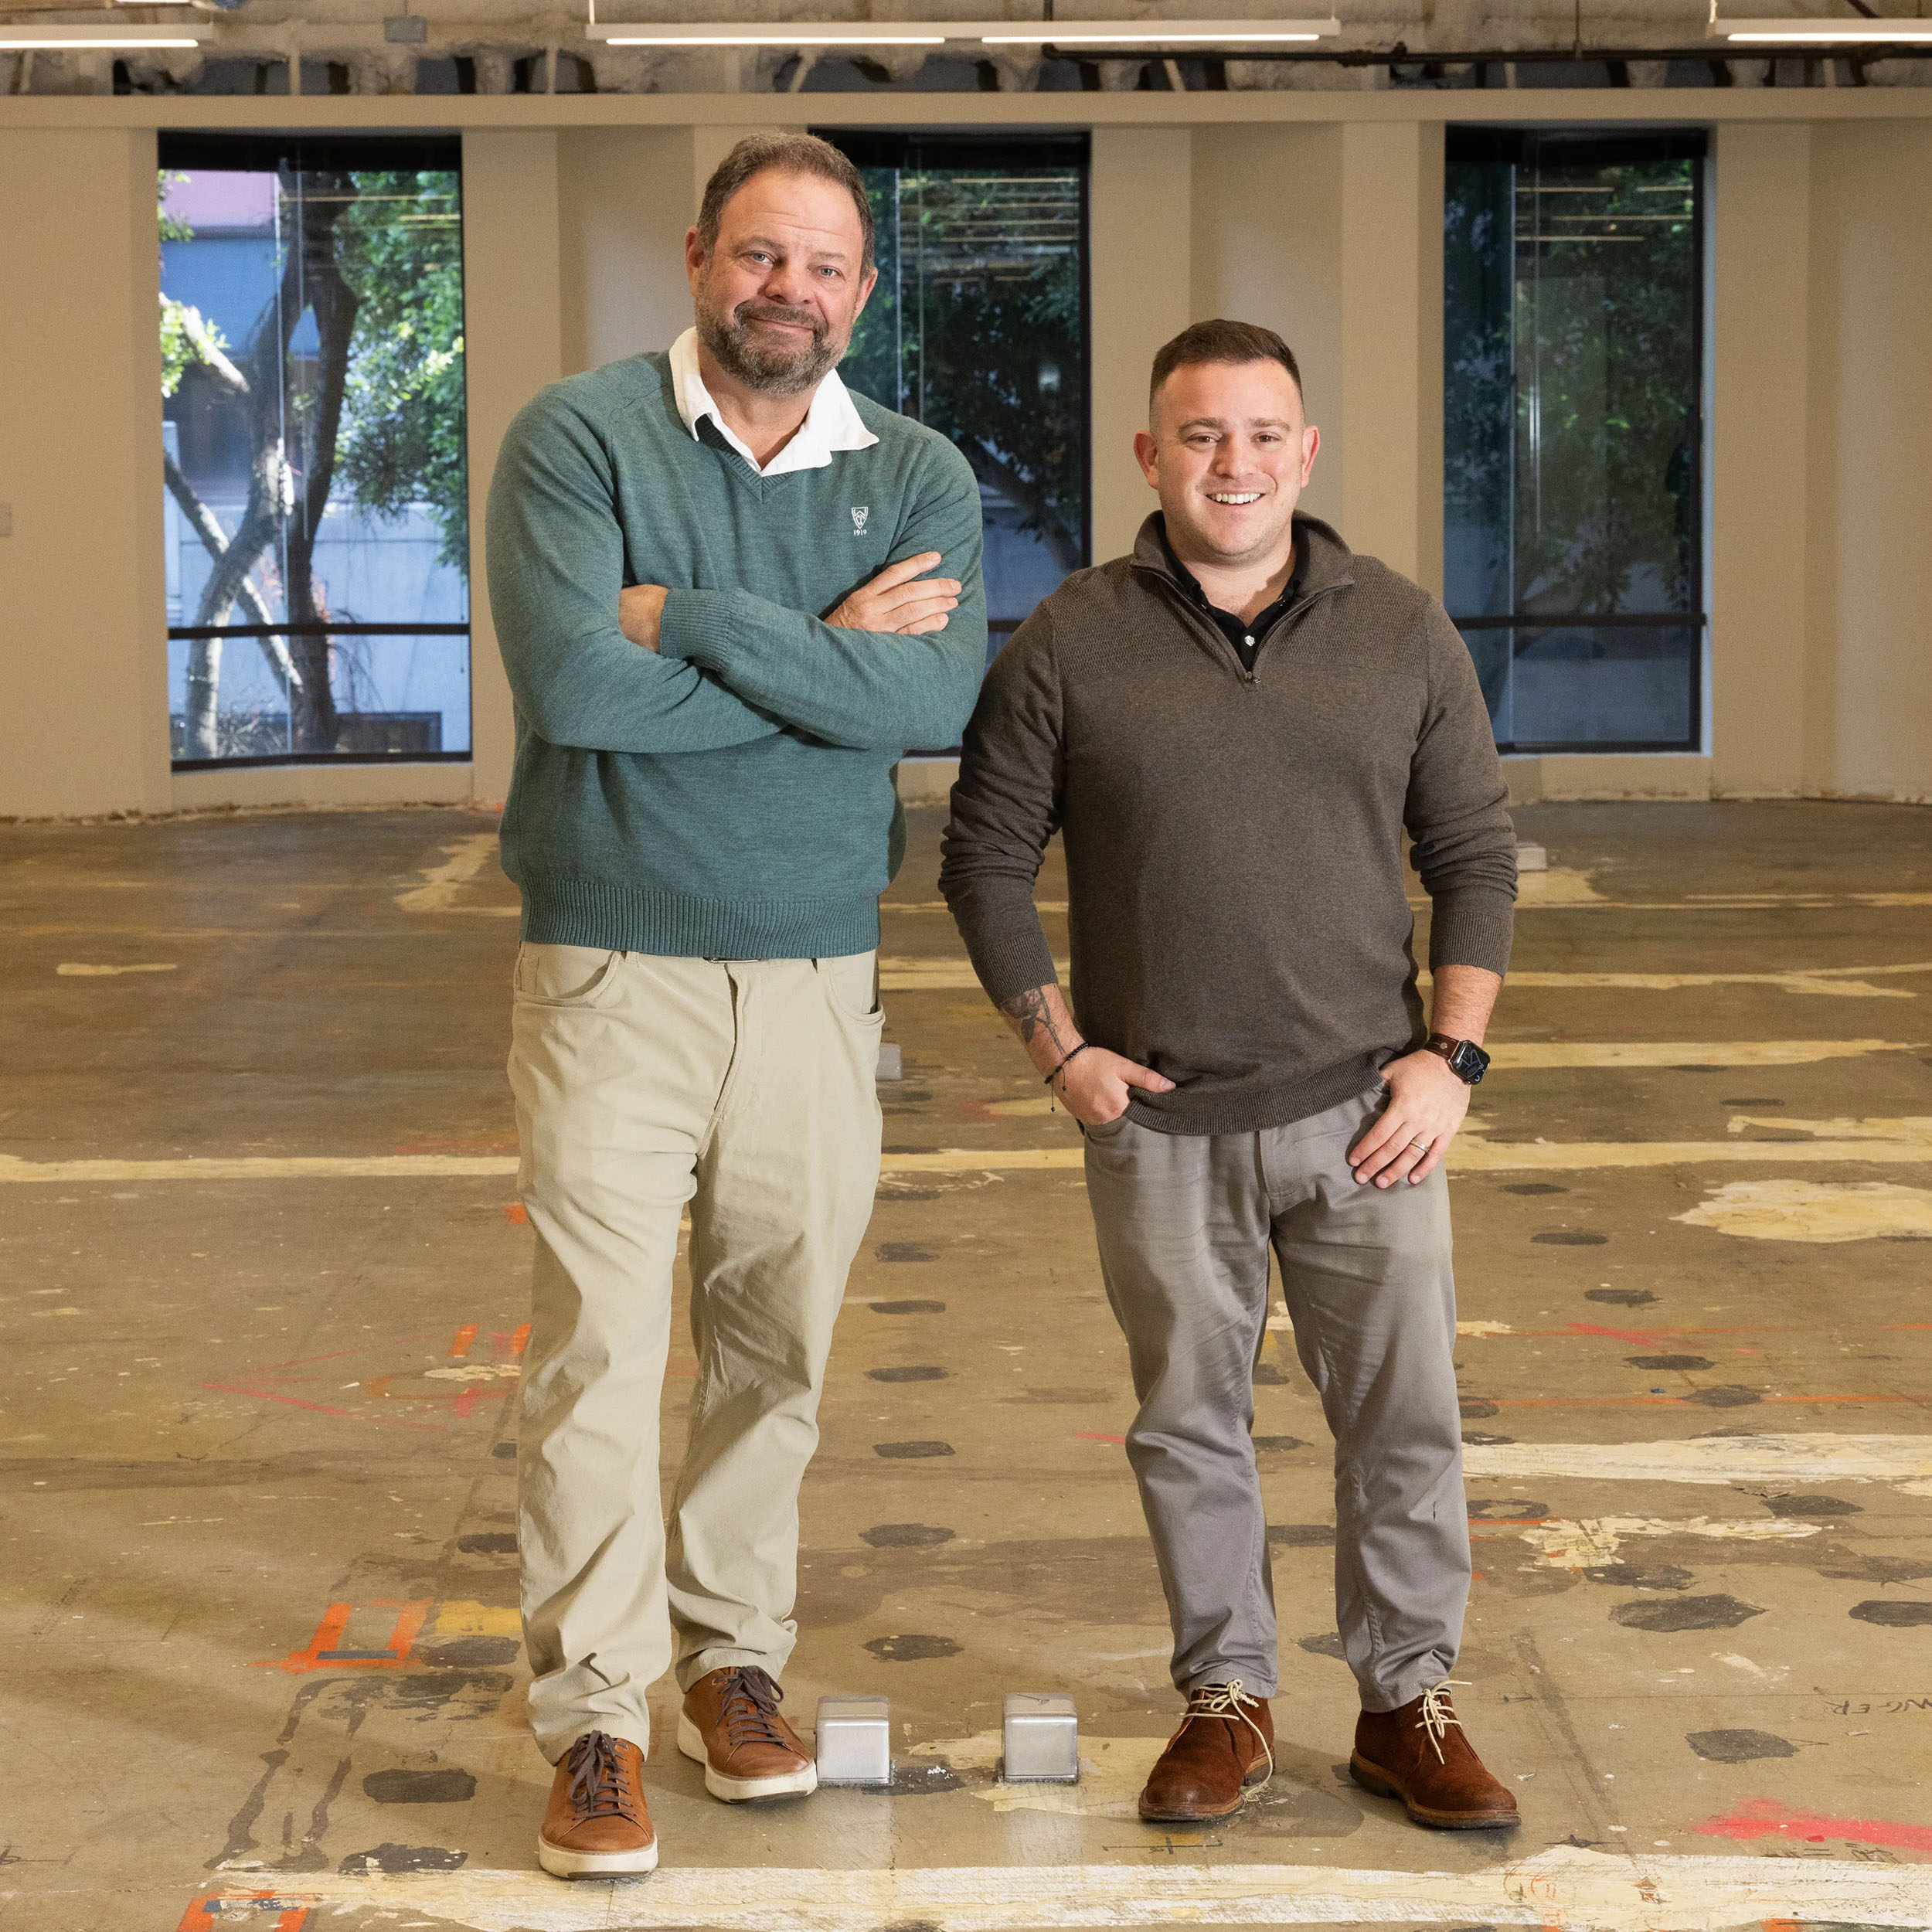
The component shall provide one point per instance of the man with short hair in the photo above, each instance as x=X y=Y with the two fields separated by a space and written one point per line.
x=710 y=573
x=1232 y=728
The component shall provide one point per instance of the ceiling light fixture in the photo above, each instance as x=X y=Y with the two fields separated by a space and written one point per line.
x=99 y=39
x=938 y=33
x=1158 y=33
x=1812 y=31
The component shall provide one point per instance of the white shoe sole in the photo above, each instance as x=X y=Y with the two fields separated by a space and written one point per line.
x=563 y=1864
x=735 y=1791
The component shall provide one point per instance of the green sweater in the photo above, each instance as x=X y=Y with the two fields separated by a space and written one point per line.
x=731 y=795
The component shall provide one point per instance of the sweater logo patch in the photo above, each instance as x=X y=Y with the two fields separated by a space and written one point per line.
x=860 y=513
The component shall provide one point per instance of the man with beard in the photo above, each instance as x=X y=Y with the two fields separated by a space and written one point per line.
x=1232 y=728
x=712 y=576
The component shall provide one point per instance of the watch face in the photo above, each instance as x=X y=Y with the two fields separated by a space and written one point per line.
x=1469 y=1062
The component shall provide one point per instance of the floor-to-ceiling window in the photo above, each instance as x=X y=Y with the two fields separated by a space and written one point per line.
x=1573 y=378
x=311 y=330
x=978 y=327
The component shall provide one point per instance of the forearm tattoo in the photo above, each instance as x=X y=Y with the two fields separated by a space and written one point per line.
x=1030 y=1014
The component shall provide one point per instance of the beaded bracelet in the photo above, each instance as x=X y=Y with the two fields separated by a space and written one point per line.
x=1057 y=1071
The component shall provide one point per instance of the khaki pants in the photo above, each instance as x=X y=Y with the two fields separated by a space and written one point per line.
x=746 y=1088
x=1184 y=1223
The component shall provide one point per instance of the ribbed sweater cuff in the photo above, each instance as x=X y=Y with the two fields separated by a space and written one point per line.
x=698 y=627
x=1471 y=926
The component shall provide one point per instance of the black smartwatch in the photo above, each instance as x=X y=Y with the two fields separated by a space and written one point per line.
x=1466 y=1059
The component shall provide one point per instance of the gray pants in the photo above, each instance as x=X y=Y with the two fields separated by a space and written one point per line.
x=1184 y=1223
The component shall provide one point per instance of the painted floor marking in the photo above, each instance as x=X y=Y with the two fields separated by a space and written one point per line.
x=75 y=969
x=1569 y=1545
x=1815 y=1211
x=443 y=885
x=1507 y=1054
x=899 y=974
x=1779 y=1459
x=1565 y=1889
x=325 y=1652
x=1880 y=1142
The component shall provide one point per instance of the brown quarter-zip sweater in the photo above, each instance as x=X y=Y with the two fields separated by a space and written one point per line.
x=1236 y=918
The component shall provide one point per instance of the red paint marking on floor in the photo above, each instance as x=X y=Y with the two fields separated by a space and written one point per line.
x=342 y=1354
x=317 y=1408
x=324 y=1650
x=1087 y=1435
x=465 y=1336
x=521 y=1339
x=1645 y=1335
x=1765 y=1817
x=516 y=1214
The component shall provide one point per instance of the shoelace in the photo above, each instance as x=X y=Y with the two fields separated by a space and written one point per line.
x=1224 y=1701
x=748 y=1706
x=598 y=1786
x=1437 y=1716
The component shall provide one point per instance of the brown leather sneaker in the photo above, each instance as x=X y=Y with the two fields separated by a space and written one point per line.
x=1226 y=1744
x=1419 y=1754
x=730 y=1725
x=596 y=1824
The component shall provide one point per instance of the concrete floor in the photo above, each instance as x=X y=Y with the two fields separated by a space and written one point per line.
x=262 y=1667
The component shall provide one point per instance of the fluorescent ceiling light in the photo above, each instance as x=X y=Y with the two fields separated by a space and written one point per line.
x=936 y=33
x=1158 y=33
x=94 y=39
x=805 y=33
x=1793 y=33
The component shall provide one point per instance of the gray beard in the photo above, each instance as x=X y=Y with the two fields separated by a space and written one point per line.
x=781 y=374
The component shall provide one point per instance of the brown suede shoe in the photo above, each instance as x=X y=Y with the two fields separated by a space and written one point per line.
x=596 y=1824
x=1226 y=1744
x=1419 y=1754
x=730 y=1725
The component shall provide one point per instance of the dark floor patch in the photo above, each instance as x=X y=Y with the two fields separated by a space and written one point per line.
x=1878 y=1569
x=1508 y=1509
x=1286 y=1808
x=906 y=1536
x=505 y=1450
x=1282 y=1444
x=908 y=1307
x=420 y=1787
x=1751 y=1099
x=1697 y=1066
x=1684 y=1363
x=922 y=1780
x=1739 y=1747
x=1729 y=1395
x=1569 y=1238
x=1327 y=1643
x=901 y=1251
x=1811 y=1506
x=911 y=1649
x=1534 y=1187
x=1640 y=1576
x=924 y=1372
x=1893 y=1616
x=1301 y=1535
x=1267 y=1375
x=889 y=1190
x=1475 y=1439
x=402 y=1857
x=910 y=1451
x=1686 y=1613
x=488 y=1542
x=1620 y=1297
x=467 y=1653
x=1473 y=1409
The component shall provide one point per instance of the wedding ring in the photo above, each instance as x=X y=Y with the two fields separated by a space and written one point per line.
x=1423 y=1145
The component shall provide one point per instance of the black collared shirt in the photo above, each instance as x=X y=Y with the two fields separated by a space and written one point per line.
x=1245 y=634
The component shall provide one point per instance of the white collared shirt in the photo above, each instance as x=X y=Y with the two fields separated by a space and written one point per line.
x=831 y=423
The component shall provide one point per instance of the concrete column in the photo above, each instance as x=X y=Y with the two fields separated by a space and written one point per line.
x=514 y=331
x=1267 y=223
x=1759 y=355
x=83 y=648
x=1391 y=281
x=1140 y=264
x=1868 y=503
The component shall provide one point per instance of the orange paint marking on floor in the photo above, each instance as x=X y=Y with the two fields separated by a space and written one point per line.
x=465 y=1336
x=213 y=1910
x=324 y=1651
x=521 y=1339
x=516 y=1214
